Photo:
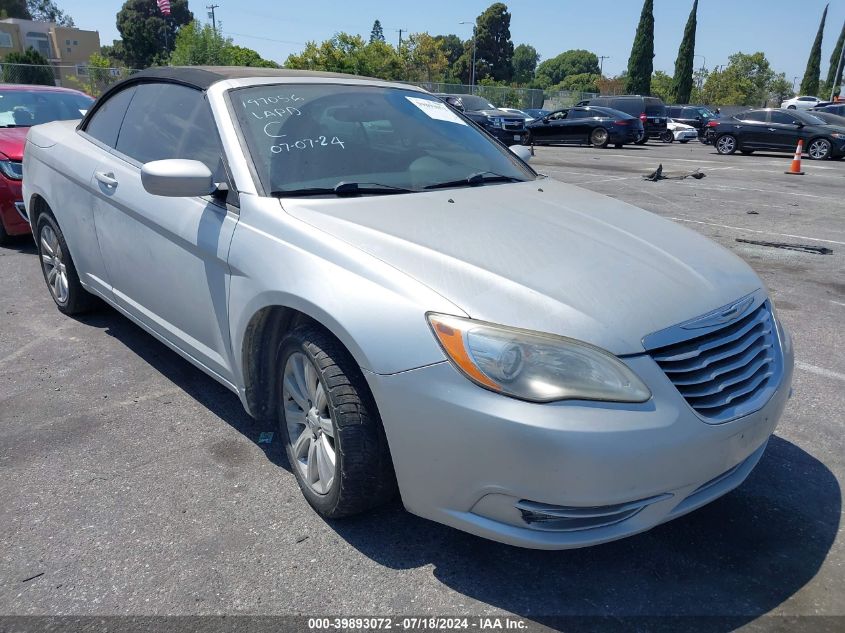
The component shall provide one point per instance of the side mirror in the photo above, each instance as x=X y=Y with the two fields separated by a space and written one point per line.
x=798 y=124
x=545 y=119
x=521 y=152
x=177 y=178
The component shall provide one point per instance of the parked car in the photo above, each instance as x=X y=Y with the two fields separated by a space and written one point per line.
x=537 y=113
x=22 y=106
x=585 y=125
x=650 y=110
x=779 y=131
x=694 y=115
x=833 y=108
x=802 y=103
x=507 y=127
x=412 y=304
x=681 y=132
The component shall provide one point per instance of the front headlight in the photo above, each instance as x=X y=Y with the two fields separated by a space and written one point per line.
x=838 y=135
x=11 y=169
x=534 y=366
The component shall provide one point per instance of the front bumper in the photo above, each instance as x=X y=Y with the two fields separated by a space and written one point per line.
x=467 y=457
x=508 y=137
x=685 y=135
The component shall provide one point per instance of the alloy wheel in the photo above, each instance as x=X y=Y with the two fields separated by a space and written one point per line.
x=309 y=423
x=599 y=136
x=726 y=144
x=819 y=149
x=52 y=261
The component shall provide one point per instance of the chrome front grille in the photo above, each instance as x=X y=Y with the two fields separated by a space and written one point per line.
x=514 y=124
x=730 y=371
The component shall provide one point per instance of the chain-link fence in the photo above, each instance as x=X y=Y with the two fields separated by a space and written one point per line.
x=91 y=79
x=506 y=97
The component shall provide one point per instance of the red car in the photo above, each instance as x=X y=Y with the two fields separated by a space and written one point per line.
x=21 y=107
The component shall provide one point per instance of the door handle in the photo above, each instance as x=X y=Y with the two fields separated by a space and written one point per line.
x=107 y=179
x=771 y=129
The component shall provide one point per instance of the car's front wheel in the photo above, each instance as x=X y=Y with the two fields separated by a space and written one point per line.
x=58 y=268
x=667 y=137
x=599 y=137
x=726 y=144
x=819 y=149
x=330 y=426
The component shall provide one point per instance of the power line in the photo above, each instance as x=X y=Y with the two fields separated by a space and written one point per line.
x=266 y=39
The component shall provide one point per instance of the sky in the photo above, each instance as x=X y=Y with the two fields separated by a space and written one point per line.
x=783 y=29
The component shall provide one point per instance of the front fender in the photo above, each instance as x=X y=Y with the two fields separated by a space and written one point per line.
x=376 y=311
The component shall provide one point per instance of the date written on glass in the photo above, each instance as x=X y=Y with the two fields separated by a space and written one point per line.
x=307 y=143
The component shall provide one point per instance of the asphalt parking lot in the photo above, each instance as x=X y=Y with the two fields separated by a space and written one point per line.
x=131 y=483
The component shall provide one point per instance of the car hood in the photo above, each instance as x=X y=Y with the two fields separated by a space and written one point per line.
x=497 y=112
x=12 y=141
x=544 y=256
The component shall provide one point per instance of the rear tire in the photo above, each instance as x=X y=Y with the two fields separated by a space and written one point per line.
x=726 y=144
x=599 y=137
x=58 y=268
x=792 y=107
x=338 y=452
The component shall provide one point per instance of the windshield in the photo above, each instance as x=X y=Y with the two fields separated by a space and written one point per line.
x=23 y=108
x=308 y=138
x=474 y=103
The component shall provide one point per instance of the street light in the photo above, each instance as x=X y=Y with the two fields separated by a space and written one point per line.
x=472 y=71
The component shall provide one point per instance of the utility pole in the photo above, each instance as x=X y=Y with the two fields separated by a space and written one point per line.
x=211 y=9
x=472 y=70
x=601 y=63
x=400 y=38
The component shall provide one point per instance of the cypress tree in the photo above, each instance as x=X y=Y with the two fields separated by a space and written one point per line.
x=810 y=83
x=682 y=82
x=641 y=62
x=834 y=80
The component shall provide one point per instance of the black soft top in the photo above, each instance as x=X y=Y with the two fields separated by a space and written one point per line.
x=203 y=77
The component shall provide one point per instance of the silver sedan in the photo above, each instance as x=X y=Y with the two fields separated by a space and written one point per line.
x=416 y=308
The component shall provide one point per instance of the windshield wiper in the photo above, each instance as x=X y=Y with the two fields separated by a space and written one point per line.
x=343 y=189
x=474 y=180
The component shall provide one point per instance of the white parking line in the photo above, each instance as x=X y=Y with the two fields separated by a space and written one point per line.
x=820 y=371
x=739 y=228
x=839 y=303
x=769 y=191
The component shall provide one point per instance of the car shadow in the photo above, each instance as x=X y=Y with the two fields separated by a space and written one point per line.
x=21 y=244
x=714 y=569
x=202 y=388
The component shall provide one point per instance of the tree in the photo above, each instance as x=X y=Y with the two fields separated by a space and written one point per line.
x=780 y=89
x=810 y=83
x=14 y=9
x=377 y=34
x=662 y=85
x=242 y=56
x=572 y=62
x=47 y=11
x=684 y=65
x=584 y=82
x=34 y=68
x=198 y=45
x=452 y=45
x=613 y=85
x=494 y=48
x=525 y=58
x=641 y=62
x=424 y=57
x=834 y=80
x=345 y=53
x=148 y=38
x=745 y=81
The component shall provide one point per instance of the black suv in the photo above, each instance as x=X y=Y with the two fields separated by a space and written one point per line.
x=650 y=110
x=694 y=115
x=507 y=127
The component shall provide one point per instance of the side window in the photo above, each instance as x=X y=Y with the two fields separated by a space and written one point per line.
x=104 y=124
x=782 y=117
x=754 y=117
x=582 y=114
x=170 y=121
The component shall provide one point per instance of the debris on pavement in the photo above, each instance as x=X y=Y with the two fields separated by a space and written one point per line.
x=301 y=538
x=753 y=212
x=657 y=175
x=33 y=577
x=801 y=248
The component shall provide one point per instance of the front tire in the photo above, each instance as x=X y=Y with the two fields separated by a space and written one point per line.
x=599 y=137
x=667 y=137
x=726 y=144
x=58 y=268
x=792 y=107
x=330 y=426
x=819 y=149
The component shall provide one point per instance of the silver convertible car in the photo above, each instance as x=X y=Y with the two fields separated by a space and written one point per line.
x=413 y=305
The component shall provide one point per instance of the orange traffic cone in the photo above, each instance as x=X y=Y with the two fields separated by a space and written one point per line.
x=795 y=168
